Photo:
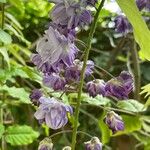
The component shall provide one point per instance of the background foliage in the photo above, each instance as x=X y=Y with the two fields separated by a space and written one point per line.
x=25 y=22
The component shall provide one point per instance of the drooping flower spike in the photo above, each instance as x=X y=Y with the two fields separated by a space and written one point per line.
x=53 y=112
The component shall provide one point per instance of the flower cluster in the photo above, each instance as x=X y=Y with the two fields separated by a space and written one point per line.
x=53 y=112
x=122 y=24
x=56 y=50
x=118 y=87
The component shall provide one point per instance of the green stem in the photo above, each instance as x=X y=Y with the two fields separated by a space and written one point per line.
x=3 y=66
x=93 y=27
x=136 y=70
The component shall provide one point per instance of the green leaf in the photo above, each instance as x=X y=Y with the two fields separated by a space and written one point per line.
x=5 y=37
x=18 y=93
x=4 y=52
x=2 y=1
x=18 y=4
x=140 y=29
x=98 y=100
x=2 y=130
x=13 y=20
x=147 y=103
x=146 y=89
x=20 y=135
x=130 y=105
x=106 y=133
x=32 y=74
x=132 y=123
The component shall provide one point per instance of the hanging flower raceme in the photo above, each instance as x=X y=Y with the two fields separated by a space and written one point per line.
x=114 y=122
x=73 y=72
x=120 y=87
x=93 y=144
x=54 y=81
x=122 y=25
x=96 y=87
x=70 y=14
x=53 y=112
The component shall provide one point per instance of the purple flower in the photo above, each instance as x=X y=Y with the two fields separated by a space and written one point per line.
x=93 y=144
x=54 y=81
x=73 y=72
x=53 y=112
x=141 y=4
x=35 y=96
x=46 y=144
x=96 y=87
x=114 y=122
x=54 y=47
x=122 y=25
x=120 y=87
x=70 y=14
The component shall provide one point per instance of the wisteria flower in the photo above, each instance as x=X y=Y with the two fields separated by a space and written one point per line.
x=73 y=72
x=53 y=112
x=93 y=144
x=71 y=14
x=122 y=25
x=54 y=81
x=96 y=87
x=114 y=122
x=54 y=47
x=120 y=87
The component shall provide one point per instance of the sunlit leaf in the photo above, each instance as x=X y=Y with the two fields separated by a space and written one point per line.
x=130 y=105
x=18 y=93
x=3 y=51
x=2 y=130
x=5 y=37
x=146 y=90
x=20 y=135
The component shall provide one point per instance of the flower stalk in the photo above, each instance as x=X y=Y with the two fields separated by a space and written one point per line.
x=87 y=50
x=3 y=66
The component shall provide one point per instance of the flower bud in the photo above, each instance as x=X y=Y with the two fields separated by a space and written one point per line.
x=35 y=96
x=93 y=144
x=46 y=144
x=96 y=87
x=114 y=121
